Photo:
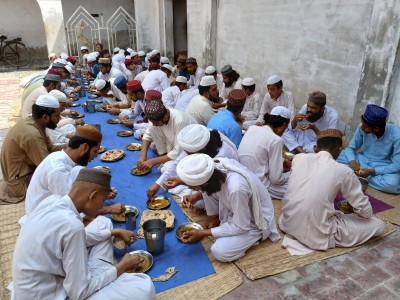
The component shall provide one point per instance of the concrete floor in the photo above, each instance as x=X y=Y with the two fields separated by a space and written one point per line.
x=371 y=272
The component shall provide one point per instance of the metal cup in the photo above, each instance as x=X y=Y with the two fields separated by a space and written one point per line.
x=82 y=92
x=130 y=220
x=91 y=105
x=154 y=233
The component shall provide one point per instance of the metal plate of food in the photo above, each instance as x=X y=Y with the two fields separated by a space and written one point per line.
x=112 y=155
x=103 y=168
x=288 y=155
x=134 y=147
x=185 y=227
x=121 y=217
x=345 y=207
x=159 y=202
x=119 y=243
x=102 y=149
x=146 y=264
x=93 y=96
x=113 y=121
x=137 y=172
x=74 y=105
x=125 y=133
x=79 y=116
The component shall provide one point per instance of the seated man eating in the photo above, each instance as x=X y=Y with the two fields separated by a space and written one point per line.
x=308 y=213
x=379 y=160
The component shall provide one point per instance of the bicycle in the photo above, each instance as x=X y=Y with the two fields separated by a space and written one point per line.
x=14 y=52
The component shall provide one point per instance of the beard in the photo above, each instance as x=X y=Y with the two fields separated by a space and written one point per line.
x=84 y=159
x=314 y=117
x=51 y=125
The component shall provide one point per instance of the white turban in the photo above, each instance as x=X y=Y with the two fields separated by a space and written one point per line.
x=47 y=101
x=60 y=96
x=195 y=169
x=193 y=138
x=100 y=84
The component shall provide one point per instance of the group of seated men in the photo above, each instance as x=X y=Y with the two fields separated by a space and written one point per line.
x=225 y=148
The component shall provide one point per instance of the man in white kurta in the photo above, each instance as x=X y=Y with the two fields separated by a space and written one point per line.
x=251 y=108
x=308 y=213
x=211 y=70
x=232 y=81
x=184 y=100
x=276 y=96
x=157 y=80
x=106 y=71
x=314 y=116
x=261 y=152
x=242 y=203
x=50 y=83
x=200 y=107
x=163 y=131
x=172 y=94
x=196 y=73
x=56 y=258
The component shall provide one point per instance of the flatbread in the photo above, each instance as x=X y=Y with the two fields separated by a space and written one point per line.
x=165 y=215
x=171 y=271
x=112 y=155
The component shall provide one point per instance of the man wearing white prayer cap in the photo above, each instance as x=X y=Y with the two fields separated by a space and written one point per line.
x=237 y=197
x=251 y=109
x=194 y=138
x=196 y=73
x=26 y=145
x=84 y=50
x=158 y=79
x=172 y=94
x=275 y=96
x=261 y=151
x=211 y=70
x=201 y=106
x=164 y=60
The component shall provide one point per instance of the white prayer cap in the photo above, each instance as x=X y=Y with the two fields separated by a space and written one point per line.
x=133 y=53
x=181 y=79
x=193 y=138
x=100 y=84
x=248 y=81
x=207 y=81
x=141 y=53
x=167 y=66
x=122 y=51
x=116 y=49
x=164 y=60
x=273 y=79
x=195 y=169
x=61 y=61
x=84 y=48
x=70 y=64
x=68 y=68
x=154 y=52
x=210 y=70
x=129 y=50
x=91 y=57
x=281 y=111
x=60 y=96
x=47 y=101
x=64 y=56
x=85 y=56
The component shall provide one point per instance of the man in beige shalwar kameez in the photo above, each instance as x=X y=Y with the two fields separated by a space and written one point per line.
x=308 y=213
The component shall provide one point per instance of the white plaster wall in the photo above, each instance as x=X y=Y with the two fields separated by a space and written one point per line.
x=22 y=18
x=147 y=18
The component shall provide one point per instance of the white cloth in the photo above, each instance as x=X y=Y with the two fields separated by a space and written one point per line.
x=193 y=138
x=224 y=92
x=57 y=263
x=165 y=137
x=200 y=108
x=30 y=100
x=58 y=136
x=233 y=203
x=251 y=109
x=54 y=176
x=294 y=137
x=142 y=75
x=220 y=82
x=261 y=152
x=114 y=73
x=294 y=246
x=170 y=96
x=187 y=96
x=118 y=93
x=130 y=75
x=156 y=80
x=195 y=78
x=308 y=213
x=285 y=99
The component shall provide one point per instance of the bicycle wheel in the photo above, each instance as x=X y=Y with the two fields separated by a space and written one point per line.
x=16 y=54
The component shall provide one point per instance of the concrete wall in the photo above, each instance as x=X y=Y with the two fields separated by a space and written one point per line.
x=23 y=19
x=344 y=48
x=104 y=9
